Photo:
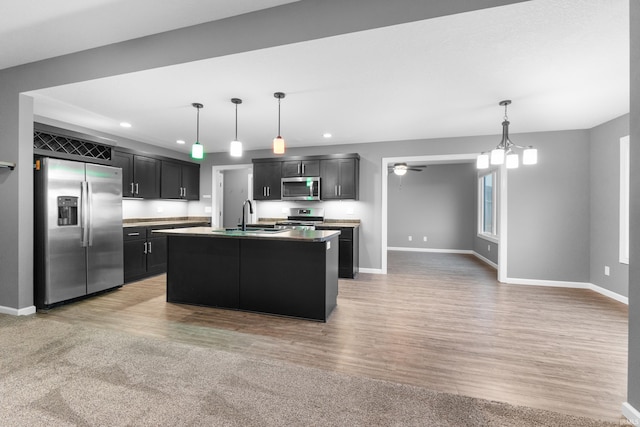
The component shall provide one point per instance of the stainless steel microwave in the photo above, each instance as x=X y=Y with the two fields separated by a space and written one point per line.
x=301 y=188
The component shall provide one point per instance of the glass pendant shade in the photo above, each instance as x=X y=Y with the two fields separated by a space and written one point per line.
x=278 y=145
x=512 y=161
x=483 y=161
x=530 y=156
x=497 y=156
x=278 y=141
x=235 y=149
x=197 y=151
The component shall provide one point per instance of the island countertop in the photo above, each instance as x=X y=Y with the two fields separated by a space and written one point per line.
x=292 y=235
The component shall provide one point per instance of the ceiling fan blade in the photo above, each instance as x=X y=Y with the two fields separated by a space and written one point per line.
x=413 y=169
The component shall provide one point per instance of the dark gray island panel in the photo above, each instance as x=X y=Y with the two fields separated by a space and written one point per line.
x=292 y=274
x=297 y=279
x=203 y=271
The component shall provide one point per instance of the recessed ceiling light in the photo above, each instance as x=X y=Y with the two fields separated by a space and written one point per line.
x=180 y=141
x=125 y=125
x=326 y=135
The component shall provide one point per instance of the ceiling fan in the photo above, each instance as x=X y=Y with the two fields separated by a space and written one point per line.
x=402 y=168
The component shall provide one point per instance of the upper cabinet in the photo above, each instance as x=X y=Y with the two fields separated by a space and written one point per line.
x=140 y=175
x=339 y=178
x=154 y=177
x=180 y=180
x=266 y=179
x=292 y=168
x=339 y=175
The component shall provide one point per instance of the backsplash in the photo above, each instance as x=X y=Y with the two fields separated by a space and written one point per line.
x=344 y=209
x=154 y=208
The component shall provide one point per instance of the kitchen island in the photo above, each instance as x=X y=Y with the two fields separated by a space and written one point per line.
x=283 y=272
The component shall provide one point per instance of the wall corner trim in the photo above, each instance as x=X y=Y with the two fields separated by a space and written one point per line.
x=563 y=284
x=631 y=413
x=18 y=311
x=485 y=260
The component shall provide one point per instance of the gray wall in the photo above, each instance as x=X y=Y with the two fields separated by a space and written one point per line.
x=633 y=384
x=548 y=209
x=234 y=195
x=438 y=202
x=604 y=184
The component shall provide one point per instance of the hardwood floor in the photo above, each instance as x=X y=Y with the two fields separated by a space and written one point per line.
x=438 y=321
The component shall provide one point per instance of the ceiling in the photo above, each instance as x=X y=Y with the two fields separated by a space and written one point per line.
x=564 y=63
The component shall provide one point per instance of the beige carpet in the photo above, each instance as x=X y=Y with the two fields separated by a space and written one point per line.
x=56 y=374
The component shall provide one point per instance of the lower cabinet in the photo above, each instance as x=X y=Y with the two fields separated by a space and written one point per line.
x=349 y=255
x=144 y=255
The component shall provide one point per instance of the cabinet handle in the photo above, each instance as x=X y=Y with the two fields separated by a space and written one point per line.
x=132 y=192
x=184 y=191
x=137 y=188
x=133 y=234
x=264 y=191
x=335 y=190
x=298 y=168
x=145 y=247
x=268 y=191
x=303 y=169
x=149 y=247
x=339 y=190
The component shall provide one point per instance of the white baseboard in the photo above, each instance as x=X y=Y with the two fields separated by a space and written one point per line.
x=370 y=270
x=610 y=294
x=441 y=251
x=18 y=311
x=485 y=260
x=631 y=413
x=562 y=284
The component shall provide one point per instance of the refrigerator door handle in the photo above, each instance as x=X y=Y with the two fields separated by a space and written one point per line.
x=89 y=204
x=85 y=213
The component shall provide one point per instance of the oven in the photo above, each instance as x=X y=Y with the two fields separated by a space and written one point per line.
x=302 y=219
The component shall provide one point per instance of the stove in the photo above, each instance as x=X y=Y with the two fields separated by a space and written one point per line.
x=302 y=219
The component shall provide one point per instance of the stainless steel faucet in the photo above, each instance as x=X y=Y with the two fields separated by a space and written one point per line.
x=244 y=220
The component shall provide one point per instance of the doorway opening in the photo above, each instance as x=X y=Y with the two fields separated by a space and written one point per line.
x=231 y=186
x=389 y=162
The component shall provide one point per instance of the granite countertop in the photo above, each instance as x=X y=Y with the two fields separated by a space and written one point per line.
x=156 y=222
x=293 y=235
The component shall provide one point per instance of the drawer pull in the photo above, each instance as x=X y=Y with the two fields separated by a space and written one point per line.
x=133 y=234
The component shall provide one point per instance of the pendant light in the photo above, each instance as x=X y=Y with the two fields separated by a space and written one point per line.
x=197 y=150
x=505 y=150
x=235 y=149
x=278 y=142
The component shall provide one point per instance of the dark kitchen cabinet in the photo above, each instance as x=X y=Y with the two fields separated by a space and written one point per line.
x=144 y=254
x=349 y=255
x=180 y=181
x=292 y=168
x=339 y=178
x=140 y=175
x=266 y=180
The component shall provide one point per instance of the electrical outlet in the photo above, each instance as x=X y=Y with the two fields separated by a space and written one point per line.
x=207 y=209
x=488 y=248
x=410 y=238
x=606 y=270
x=424 y=239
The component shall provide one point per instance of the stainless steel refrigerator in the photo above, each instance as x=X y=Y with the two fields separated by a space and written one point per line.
x=78 y=231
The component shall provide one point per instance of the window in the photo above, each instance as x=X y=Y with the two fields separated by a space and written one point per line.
x=487 y=206
x=624 y=200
